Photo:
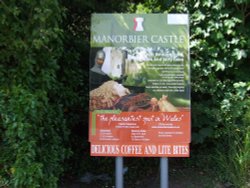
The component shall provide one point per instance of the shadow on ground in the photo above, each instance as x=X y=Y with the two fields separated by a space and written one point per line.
x=178 y=178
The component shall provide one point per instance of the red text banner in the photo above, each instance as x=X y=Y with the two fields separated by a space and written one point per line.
x=138 y=127
x=139 y=150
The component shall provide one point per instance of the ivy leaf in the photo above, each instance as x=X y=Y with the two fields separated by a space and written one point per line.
x=239 y=53
x=218 y=65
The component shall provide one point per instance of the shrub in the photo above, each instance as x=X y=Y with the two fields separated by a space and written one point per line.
x=32 y=124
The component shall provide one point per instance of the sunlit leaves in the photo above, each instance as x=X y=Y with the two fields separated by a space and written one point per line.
x=218 y=46
x=239 y=53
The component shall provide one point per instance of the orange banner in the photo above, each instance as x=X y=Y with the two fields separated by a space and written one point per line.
x=139 y=150
x=138 y=127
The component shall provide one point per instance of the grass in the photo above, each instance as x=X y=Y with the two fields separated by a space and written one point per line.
x=234 y=160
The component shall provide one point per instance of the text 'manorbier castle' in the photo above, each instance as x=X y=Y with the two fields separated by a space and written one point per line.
x=141 y=39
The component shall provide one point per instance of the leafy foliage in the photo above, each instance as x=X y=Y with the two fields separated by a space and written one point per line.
x=219 y=46
x=33 y=130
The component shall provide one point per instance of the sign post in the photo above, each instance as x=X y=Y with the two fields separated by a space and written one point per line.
x=140 y=88
x=164 y=172
x=119 y=172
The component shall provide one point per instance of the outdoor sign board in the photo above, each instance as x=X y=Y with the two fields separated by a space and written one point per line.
x=139 y=100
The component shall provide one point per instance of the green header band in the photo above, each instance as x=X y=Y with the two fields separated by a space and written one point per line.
x=164 y=30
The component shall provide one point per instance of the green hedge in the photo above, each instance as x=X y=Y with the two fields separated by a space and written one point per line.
x=32 y=123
